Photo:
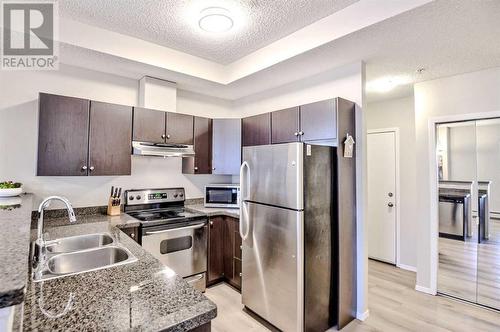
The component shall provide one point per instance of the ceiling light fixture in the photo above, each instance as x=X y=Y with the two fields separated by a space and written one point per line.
x=386 y=84
x=215 y=20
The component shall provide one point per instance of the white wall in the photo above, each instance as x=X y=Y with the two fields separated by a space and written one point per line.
x=400 y=113
x=345 y=82
x=18 y=136
x=202 y=105
x=472 y=95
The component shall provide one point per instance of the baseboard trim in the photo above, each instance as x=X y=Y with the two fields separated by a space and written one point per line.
x=362 y=316
x=407 y=267
x=426 y=290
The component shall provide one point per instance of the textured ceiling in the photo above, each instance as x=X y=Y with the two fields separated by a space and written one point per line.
x=173 y=23
x=447 y=37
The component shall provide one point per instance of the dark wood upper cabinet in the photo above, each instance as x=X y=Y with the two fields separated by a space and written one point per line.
x=215 y=249
x=62 y=136
x=179 y=128
x=201 y=163
x=110 y=139
x=256 y=130
x=149 y=125
x=285 y=125
x=318 y=121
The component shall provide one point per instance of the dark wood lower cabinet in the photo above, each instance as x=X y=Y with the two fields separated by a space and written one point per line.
x=224 y=254
x=215 y=250
x=132 y=232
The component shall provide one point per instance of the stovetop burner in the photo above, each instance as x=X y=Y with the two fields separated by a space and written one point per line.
x=168 y=214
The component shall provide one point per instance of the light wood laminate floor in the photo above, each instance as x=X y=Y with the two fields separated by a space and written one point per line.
x=393 y=302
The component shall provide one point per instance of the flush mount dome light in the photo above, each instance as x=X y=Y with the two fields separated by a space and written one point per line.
x=215 y=19
x=386 y=84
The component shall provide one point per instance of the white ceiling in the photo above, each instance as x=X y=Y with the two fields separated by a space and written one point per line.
x=174 y=23
x=447 y=37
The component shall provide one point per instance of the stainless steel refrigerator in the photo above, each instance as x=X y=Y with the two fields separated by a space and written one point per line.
x=290 y=223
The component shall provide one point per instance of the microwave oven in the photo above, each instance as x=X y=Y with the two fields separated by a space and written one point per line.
x=222 y=195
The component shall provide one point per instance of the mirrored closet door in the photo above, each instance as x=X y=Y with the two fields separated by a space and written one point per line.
x=468 y=158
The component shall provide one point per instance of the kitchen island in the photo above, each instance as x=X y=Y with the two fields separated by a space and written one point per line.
x=142 y=295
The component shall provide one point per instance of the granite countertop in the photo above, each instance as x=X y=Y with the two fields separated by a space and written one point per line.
x=15 y=218
x=143 y=295
x=235 y=213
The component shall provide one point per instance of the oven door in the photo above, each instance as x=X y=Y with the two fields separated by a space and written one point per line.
x=183 y=248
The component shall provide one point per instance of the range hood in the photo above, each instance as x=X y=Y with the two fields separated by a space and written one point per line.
x=161 y=149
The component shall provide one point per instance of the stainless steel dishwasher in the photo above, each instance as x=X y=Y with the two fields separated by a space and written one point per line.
x=454 y=216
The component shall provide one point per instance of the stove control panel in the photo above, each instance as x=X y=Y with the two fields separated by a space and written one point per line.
x=151 y=196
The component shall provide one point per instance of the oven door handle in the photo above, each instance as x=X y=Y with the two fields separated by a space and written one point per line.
x=197 y=226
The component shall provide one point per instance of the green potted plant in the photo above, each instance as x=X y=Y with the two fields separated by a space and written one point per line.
x=9 y=189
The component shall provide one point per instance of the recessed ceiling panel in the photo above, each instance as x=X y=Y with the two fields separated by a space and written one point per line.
x=174 y=23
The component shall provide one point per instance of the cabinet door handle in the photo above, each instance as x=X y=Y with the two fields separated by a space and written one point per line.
x=132 y=235
x=296 y=134
x=84 y=168
x=211 y=224
x=213 y=168
x=390 y=205
x=241 y=274
x=301 y=133
x=168 y=136
x=241 y=247
x=195 y=168
x=163 y=136
x=91 y=168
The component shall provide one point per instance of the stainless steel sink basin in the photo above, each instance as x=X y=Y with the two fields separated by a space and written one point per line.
x=80 y=256
x=88 y=260
x=81 y=242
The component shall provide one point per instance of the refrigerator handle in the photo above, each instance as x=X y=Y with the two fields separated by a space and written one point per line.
x=244 y=190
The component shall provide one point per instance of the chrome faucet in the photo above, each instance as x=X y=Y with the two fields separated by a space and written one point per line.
x=45 y=204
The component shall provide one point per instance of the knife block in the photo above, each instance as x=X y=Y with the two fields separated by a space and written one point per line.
x=114 y=210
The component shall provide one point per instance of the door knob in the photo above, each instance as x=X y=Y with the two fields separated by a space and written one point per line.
x=390 y=205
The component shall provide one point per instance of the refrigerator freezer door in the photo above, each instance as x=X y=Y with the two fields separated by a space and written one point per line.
x=273 y=174
x=272 y=271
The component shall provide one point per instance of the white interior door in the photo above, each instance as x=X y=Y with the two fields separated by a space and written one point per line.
x=382 y=195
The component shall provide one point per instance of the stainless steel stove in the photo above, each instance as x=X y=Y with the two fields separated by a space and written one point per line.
x=176 y=236
x=165 y=215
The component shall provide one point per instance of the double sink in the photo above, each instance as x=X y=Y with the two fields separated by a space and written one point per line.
x=79 y=254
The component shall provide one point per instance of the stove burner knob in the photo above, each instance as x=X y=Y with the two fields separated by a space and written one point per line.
x=138 y=197
x=181 y=195
x=175 y=195
x=131 y=198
